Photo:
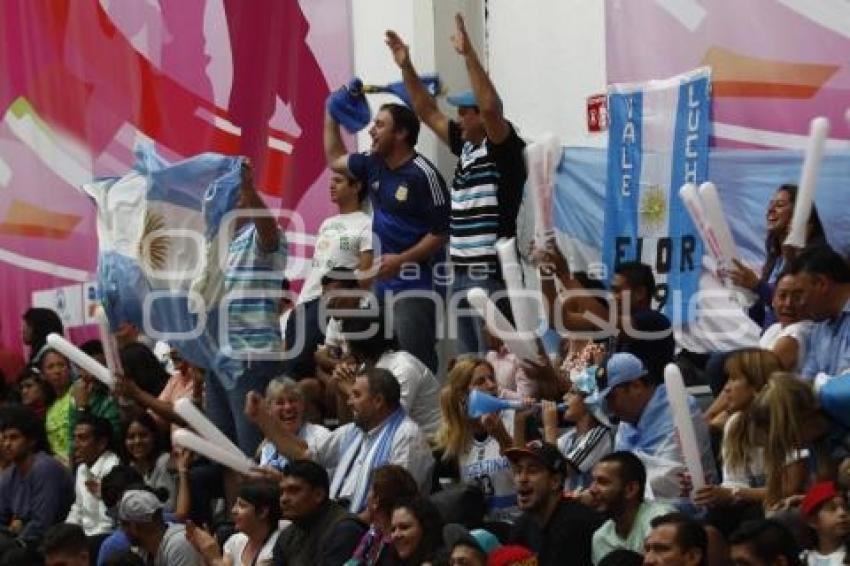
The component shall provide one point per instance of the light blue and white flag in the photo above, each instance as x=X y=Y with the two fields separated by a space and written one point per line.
x=153 y=224
x=658 y=140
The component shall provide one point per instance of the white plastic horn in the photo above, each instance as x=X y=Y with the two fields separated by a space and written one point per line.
x=190 y=413
x=818 y=130
x=678 y=398
x=523 y=304
x=499 y=326
x=542 y=158
x=82 y=359
x=188 y=439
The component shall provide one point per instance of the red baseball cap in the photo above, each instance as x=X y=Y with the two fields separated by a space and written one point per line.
x=512 y=555
x=817 y=494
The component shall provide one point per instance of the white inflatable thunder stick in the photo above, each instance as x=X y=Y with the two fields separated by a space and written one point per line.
x=523 y=303
x=110 y=344
x=499 y=326
x=190 y=440
x=542 y=158
x=677 y=396
x=717 y=224
x=203 y=426
x=693 y=203
x=82 y=359
x=818 y=129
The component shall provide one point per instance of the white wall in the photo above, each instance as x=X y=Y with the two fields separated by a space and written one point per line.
x=546 y=57
x=426 y=26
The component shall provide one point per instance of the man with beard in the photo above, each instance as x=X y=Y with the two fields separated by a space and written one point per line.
x=617 y=490
x=558 y=530
x=410 y=221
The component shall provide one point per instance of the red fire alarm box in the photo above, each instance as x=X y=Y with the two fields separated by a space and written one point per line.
x=597 y=113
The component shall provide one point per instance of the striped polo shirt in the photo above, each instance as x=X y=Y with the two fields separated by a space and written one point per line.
x=252 y=280
x=486 y=194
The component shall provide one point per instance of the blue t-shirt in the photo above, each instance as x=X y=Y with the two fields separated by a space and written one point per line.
x=118 y=542
x=408 y=202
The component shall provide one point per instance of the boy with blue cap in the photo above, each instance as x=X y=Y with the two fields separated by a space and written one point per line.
x=489 y=177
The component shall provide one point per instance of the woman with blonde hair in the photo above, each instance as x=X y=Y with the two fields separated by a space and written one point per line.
x=785 y=420
x=286 y=400
x=743 y=487
x=478 y=444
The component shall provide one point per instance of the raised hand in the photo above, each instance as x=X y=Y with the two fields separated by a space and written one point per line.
x=343 y=378
x=203 y=542
x=743 y=276
x=254 y=406
x=549 y=412
x=460 y=39
x=126 y=387
x=399 y=49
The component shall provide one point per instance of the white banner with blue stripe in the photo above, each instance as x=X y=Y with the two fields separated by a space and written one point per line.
x=658 y=140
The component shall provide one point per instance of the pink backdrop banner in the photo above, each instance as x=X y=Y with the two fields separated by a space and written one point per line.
x=84 y=80
x=776 y=64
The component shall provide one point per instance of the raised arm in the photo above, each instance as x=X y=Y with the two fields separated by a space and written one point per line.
x=268 y=233
x=489 y=103
x=424 y=104
x=335 y=152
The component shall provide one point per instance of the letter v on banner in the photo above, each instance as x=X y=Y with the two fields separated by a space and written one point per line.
x=658 y=140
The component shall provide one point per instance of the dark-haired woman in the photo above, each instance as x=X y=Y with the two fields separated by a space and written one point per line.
x=36 y=393
x=147 y=453
x=416 y=529
x=37 y=324
x=779 y=214
x=256 y=514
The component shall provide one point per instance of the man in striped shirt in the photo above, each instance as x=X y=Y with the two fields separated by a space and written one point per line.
x=254 y=269
x=410 y=222
x=488 y=181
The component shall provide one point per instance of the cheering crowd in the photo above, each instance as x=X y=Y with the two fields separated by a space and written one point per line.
x=367 y=452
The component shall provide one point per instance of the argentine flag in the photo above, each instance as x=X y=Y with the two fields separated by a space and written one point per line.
x=658 y=140
x=153 y=225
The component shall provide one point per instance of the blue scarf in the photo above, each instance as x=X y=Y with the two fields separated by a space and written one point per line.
x=378 y=455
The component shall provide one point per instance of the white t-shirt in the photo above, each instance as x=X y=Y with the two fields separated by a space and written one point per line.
x=311 y=433
x=798 y=331
x=340 y=241
x=420 y=390
x=235 y=546
x=483 y=464
x=753 y=474
x=815 y=558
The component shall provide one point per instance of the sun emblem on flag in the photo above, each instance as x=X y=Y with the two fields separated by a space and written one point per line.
x=153 y=247
x=653 y=207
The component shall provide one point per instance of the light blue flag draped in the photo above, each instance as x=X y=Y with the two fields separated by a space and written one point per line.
x=658 y=140
x=153 y=225
x=745 y=179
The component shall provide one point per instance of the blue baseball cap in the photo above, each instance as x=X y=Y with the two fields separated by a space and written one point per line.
x=456 y=534
x=621 y=368
x=466 y=98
